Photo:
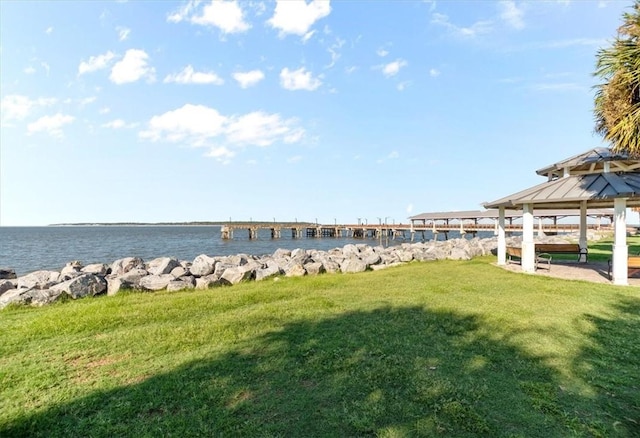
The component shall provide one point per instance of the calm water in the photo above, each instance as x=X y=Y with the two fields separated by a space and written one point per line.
x=27 y=249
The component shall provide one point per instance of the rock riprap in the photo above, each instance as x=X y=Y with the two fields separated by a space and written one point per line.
x=167 y=273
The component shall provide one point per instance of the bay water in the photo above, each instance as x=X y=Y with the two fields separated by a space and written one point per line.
x=28 y=249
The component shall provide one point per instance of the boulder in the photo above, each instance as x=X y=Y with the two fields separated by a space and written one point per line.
x=353 y=265
x=155 y=282
x=82 y=286
x=96 y=269
x=162 y=265
x=294 y=269
x=6 y=285
x=203 y=265
x=7 y=274
x=38 y=280
x=28 y=296
x=175 y=285
x=458 y=253
x=235 y=275
x=350 y=250
x=207 y=281
x=72 y=268
x=271 y=269
x=178 y=272
x=281 y=253
x=122 y=266
x=314 y=268
x=128 y=281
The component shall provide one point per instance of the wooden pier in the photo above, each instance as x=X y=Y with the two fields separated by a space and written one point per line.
x=396 y=231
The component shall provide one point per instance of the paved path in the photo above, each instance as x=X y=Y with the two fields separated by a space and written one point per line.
x=595 y=272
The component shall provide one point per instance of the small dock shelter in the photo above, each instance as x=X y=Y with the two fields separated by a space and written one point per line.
x=597 y=178
x=487 y=220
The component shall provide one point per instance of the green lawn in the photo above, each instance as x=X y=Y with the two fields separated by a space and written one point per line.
x=448 y=348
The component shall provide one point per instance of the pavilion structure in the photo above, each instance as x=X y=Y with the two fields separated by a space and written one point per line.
x=597 y=178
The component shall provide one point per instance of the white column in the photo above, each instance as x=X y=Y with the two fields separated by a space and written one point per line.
x=502 y=241
x=528 y=246
x=620 y=249
x=540 y=232
x=583 y=229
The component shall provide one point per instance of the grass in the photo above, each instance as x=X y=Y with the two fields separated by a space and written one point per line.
x=447 y=348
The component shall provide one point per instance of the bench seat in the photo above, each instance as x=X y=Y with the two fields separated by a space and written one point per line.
x=633 y=266
x=562 y=248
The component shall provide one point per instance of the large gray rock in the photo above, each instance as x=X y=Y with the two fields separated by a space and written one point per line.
x=122 y=266
x=6 y=285
x=42 y=297
x=294 y=269
x=7 y=274
x=176 y=285
x=128 y=281
x=314 y=268
x=96 y=269
x=236 y=274
x=178 y=272
x=207 y=281
x=271 y=269
x=203 y=265
x=458 y=253
x=350 y=250
x=38 y=280
x=353 y=265
x=281 y=253
x=82 y=286
x=155 y=282
x=162 y=265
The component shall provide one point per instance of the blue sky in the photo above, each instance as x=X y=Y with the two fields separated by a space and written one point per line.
x=332 y=111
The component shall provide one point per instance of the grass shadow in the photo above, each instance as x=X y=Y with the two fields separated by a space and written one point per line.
x=387 y=372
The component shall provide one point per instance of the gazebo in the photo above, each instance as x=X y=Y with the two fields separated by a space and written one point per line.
x=597 y=178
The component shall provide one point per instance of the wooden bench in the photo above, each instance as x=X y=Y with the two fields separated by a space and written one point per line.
x=633 y=265
x=515 y=252
x=562 y=248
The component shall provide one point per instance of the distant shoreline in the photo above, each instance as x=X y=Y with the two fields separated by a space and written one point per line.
x=196 y=223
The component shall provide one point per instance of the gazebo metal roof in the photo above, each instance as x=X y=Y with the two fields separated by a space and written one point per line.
x=593 y=161
x=598 y=190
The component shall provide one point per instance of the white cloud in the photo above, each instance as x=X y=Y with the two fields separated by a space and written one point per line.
x=46 y=67
x=201 y=126
x=189 y=76
x=294 y=159
x=119 y=124
x=403 y=85
x=477 y=28
x=300 y=79
x=226 y=15
x=382 y=52
x=409 y=208
x=50 y=124
x=434 y=73
x=566 y=86
x=133 y=67
x=17 y=107
x=334 y=52
x=307 y=36
x=96 y=63
x=49 y=30
x=511 y=14
x=393 y=155
x=297 y=16
x=393 y=68
x=350 y=69
x=105 y=110
x=87 y=100
x=29 y=70
x=123 y=33
x=260 y=129
x=249 y=78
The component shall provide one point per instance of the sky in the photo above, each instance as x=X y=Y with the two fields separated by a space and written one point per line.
x=330 y=111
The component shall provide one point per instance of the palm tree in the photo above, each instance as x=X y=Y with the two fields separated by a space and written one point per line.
x=617 y=100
